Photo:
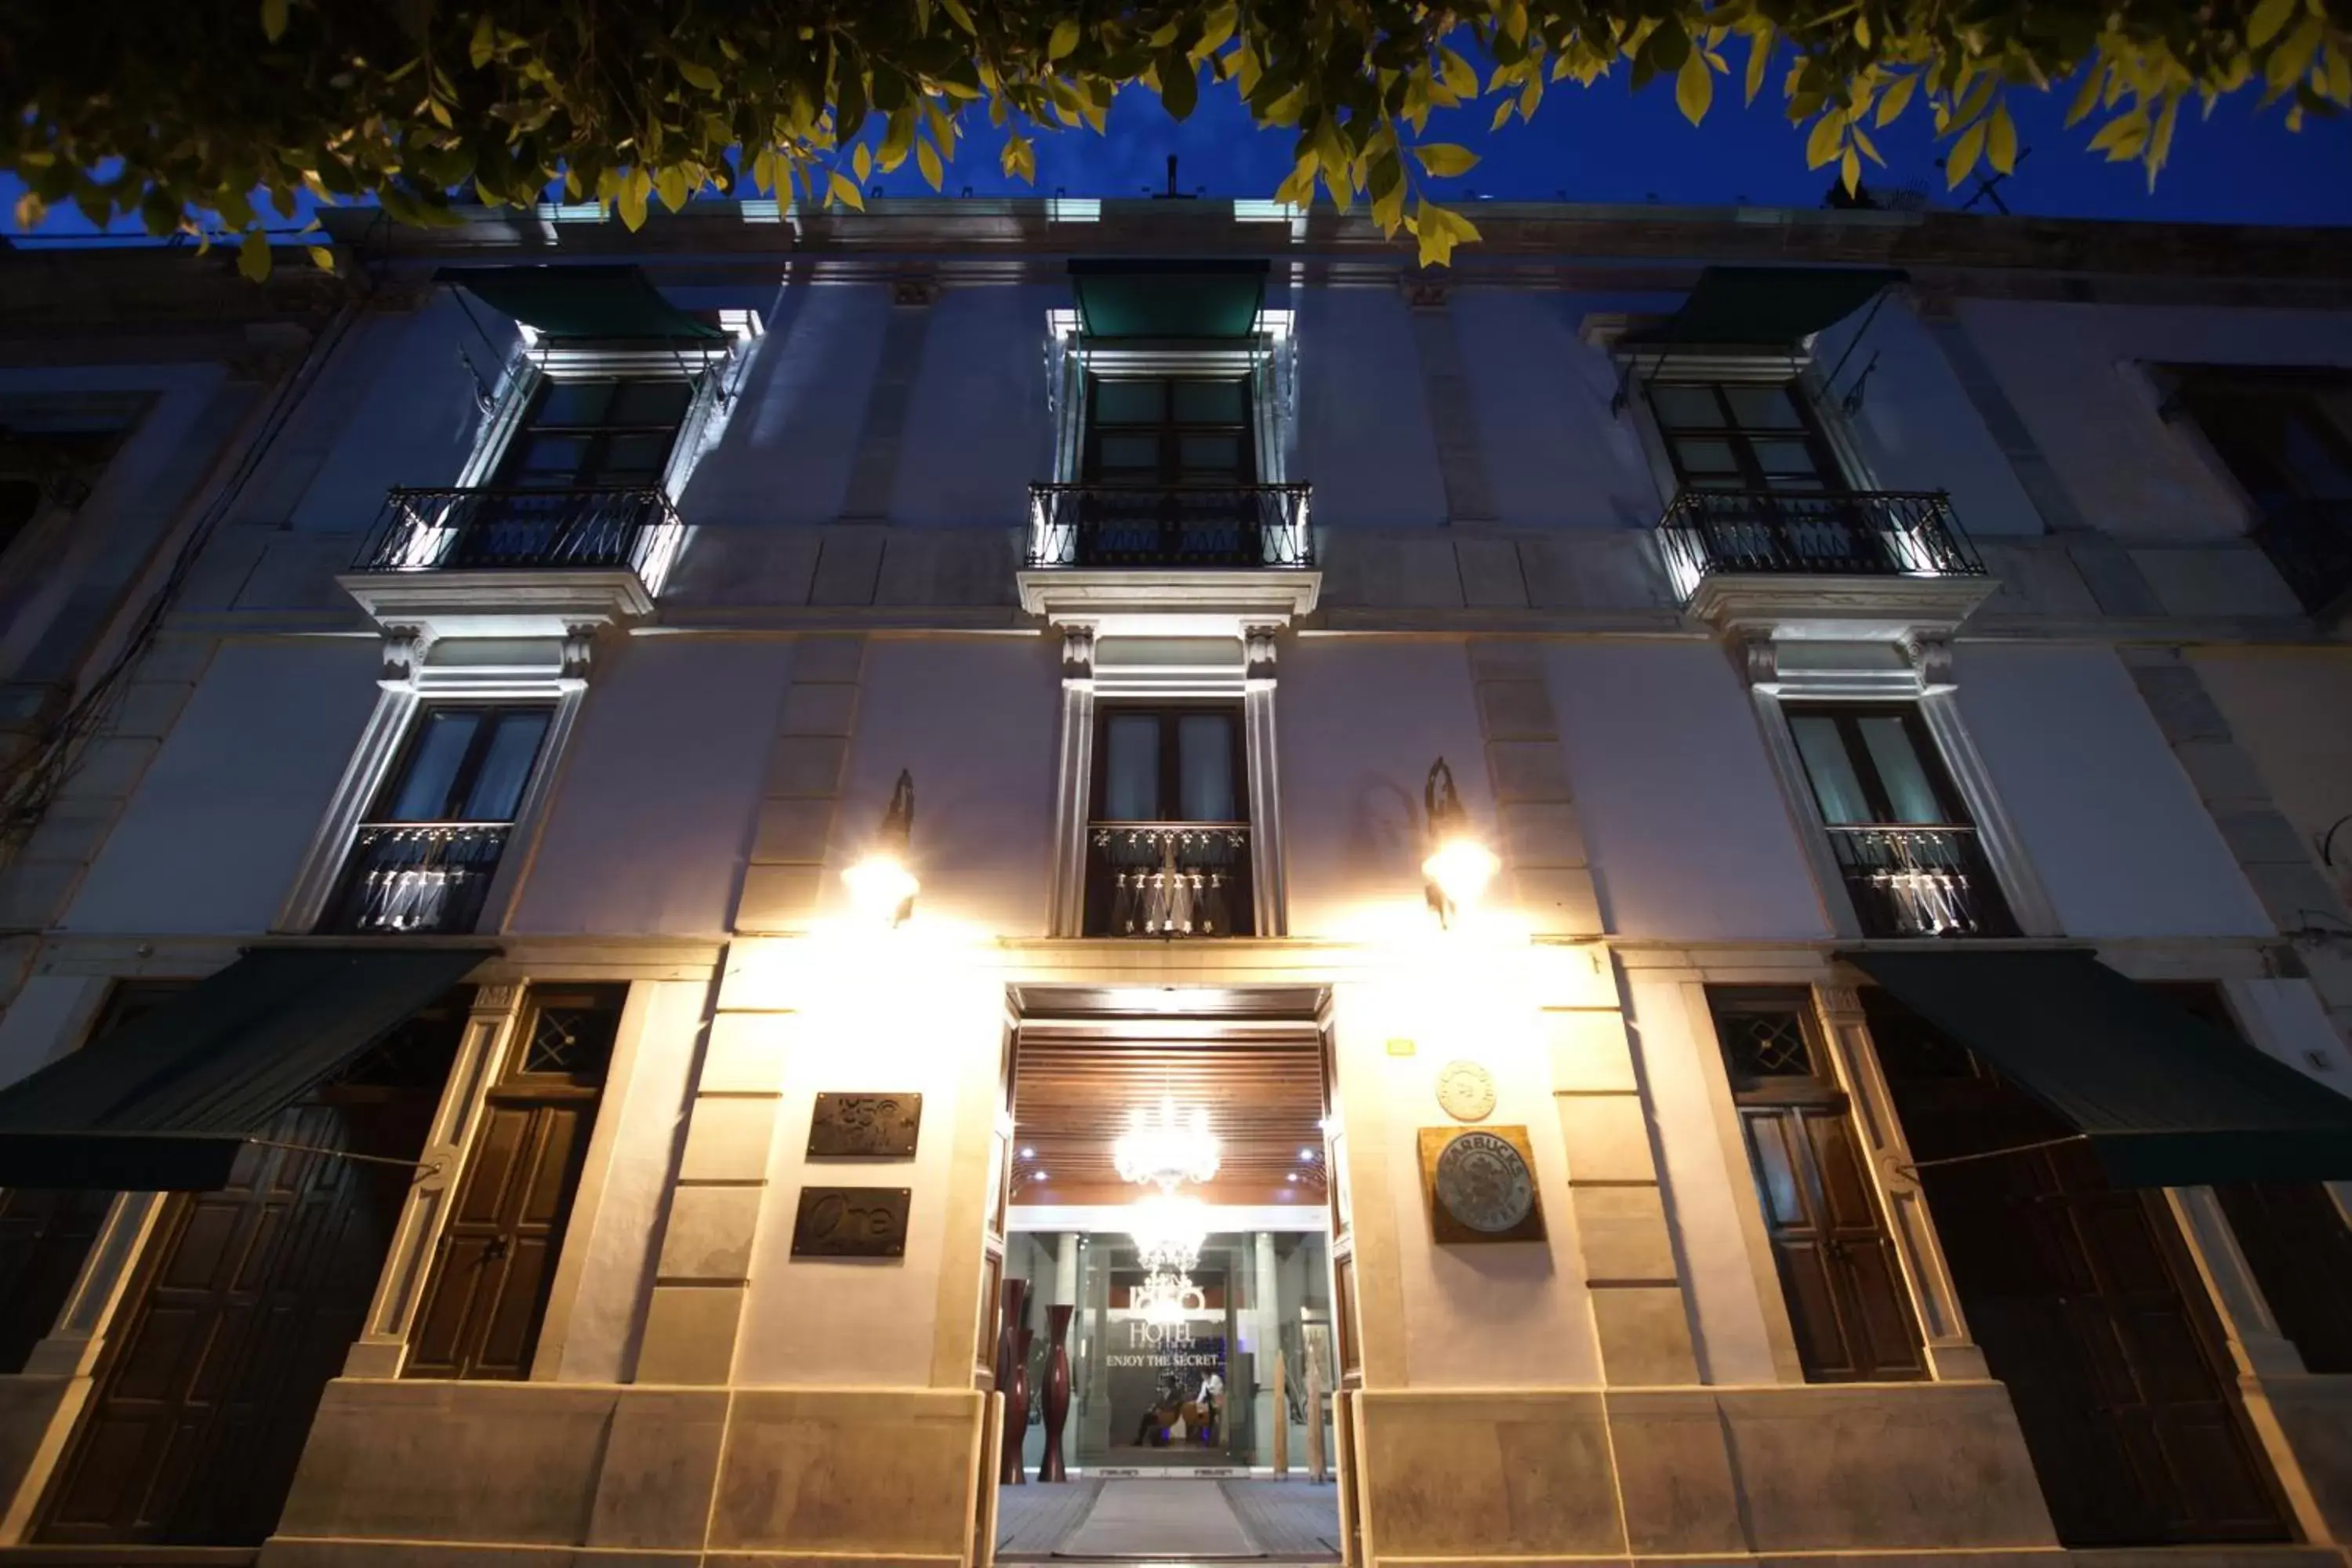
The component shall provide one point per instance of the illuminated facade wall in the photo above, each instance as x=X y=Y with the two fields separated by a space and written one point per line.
x=850 y=603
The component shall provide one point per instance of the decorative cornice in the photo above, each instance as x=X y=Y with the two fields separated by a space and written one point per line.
x=1145 y=602
x=1847 y=609
x=566 y=604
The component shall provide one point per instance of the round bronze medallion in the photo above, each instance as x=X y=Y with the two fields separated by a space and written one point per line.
x=1466 y=1091
x=1483 y=1183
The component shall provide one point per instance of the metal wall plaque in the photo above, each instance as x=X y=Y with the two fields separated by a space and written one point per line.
x=851 y=1222
x=871 y=1124
x=1480 y=1183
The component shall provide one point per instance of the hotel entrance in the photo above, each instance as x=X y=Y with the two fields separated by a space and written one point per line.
x=1167 y=1281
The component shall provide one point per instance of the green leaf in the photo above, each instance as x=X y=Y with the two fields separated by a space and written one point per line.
x=1964 y=155
x=2122 y=137
x=840 y=189
x=1850 y=172
x=635 y=186
x=2293 y=58
x=1065 y=39
x=957 y=14
x=863 y=160
x=1897 y=98
x=1443 y=160
x=483 y=48
x=673 y=187
x=2087 y=97
x=698 y=75
x=273 y=27
x=1759 y=56
x=31 y=210
x=1828 y=136
x=253 y=256
x=1461 y=80
x=927 y=159
x=2159 y=146
x=1180 y=84
x=2269 y=16
x=322 y=257
x=2000 y=140
x=1693 y=87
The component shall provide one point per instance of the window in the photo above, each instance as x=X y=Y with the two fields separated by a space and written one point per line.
x=1734 y=436
x=424 y=858
x=1168 y=431
x=2286 y=437
x=1168 y=833
x=1830 y=1245
x=485 y=1297
x=1905 y=846
x=601 y=434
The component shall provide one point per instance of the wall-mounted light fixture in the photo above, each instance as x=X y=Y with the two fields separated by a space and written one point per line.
x=881 y=885
x=1459 y=867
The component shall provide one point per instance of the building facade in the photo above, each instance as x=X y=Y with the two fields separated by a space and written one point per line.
x=605 y=830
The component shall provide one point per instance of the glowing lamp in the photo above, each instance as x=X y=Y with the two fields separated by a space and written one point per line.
x=1458 y=867
x=880 y=886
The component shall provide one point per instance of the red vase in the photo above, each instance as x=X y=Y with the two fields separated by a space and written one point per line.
x=1011 y=1362
x=1057 y=1391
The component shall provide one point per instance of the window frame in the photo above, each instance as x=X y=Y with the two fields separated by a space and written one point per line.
x=1172 y=762
x=1845 y=716
x=599 y=437
x=1829 y=463
x=1170 y=430
x=469 y=764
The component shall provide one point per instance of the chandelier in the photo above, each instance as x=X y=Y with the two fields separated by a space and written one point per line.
x=1163 y=1152
x=1168 y=1233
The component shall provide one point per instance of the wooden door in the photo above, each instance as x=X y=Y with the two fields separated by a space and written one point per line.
x=1847 y=1305
x=246 y=1303
x=2085 y=1302
x=495 y=1263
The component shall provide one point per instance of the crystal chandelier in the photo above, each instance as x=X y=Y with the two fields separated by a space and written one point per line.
x=1168 y=1233
x=1166 y=1153
x=1166 y=1299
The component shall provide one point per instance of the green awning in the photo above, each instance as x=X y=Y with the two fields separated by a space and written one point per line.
x=602 y=302
x=1168 y=299
x=1764 y=307
x=163 y=1103
x=2165 y=1099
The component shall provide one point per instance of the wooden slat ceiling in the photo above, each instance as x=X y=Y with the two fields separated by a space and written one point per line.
x=1072 y=1099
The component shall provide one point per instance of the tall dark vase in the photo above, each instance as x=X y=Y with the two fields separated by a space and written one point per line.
x=1011 y=1361
x=1057 y=1391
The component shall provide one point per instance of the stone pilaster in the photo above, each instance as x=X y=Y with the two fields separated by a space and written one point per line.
x=1453 y=417
x=781 y=885
x=874 y=468
x=1542 y=845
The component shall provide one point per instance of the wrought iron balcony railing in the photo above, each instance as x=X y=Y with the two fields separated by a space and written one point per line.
x=1167 y=880
x=2309 y=539
x=1872 y=533
x=418 y=879
x=1920 y=881
x=1168 y=526
x=480 y=529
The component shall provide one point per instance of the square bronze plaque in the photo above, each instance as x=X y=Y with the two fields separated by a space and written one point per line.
x=1480 y=1183
x=881 y=1125
x=851 y=1222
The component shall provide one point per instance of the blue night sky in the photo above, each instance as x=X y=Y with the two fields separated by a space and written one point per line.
x=1609 y=145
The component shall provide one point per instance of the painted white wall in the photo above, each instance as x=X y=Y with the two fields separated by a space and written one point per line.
x=396 y=406
x=1706 y=1184
x=1513 y=1315
x=978 y=431
x=39 y=1024
x=2113 y=826
x=1688 y=832
x=2287 y=1019
x=977 y=720
x=1553 y=452
x=1917 y=428
x=1357 y=723
x=212 y=839
x=1371 y=459
x=2072 y=372
x=2290 y=710
x=788 y=449
x=653 y=815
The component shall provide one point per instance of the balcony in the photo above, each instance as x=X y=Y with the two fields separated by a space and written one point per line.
x=1226 y=527
x=2309 y=539
x=1167 y=880
x=1862 y=562
x=516 y=562
x=418 y=879
x=1919 y=881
